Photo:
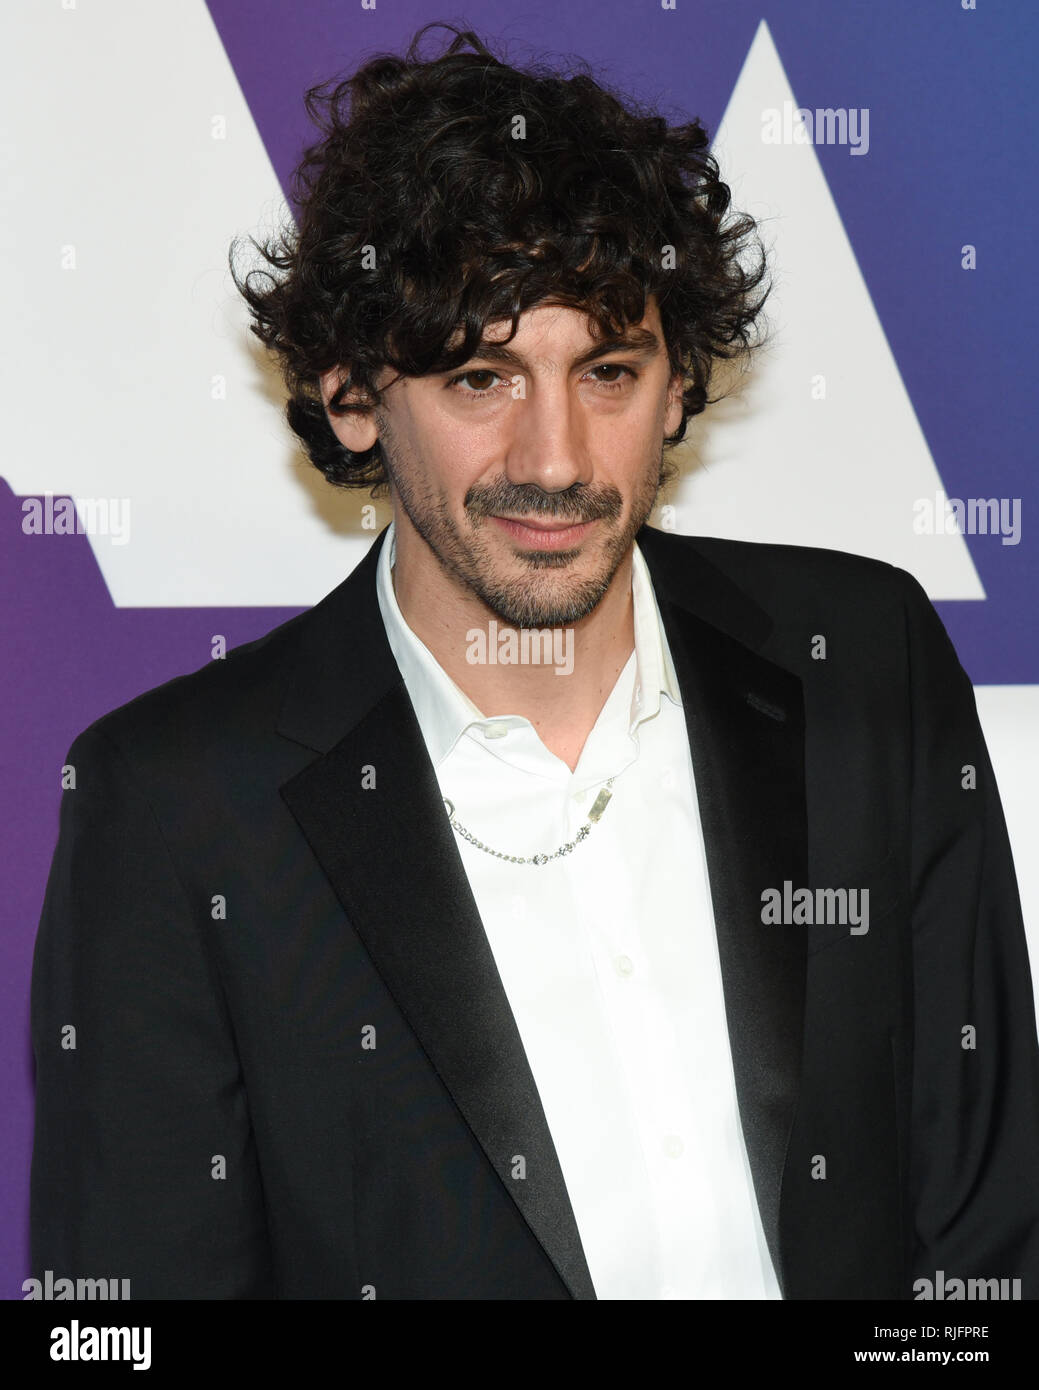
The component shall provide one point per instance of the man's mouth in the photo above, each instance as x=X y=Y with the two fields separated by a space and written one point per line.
x=545 y=533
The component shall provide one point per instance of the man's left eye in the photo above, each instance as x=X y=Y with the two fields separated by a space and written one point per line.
x=613 y=367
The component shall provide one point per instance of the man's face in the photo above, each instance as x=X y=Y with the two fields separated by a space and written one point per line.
x=556 y=429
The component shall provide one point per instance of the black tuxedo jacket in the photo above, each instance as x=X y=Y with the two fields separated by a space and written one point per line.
x=294 y=1071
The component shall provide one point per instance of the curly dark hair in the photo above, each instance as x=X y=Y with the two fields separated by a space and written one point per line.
x=420 y=215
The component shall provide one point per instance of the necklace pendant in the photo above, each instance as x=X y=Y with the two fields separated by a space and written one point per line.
x=599 y=805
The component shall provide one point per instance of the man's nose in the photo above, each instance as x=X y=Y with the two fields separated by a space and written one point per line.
x=547 y=443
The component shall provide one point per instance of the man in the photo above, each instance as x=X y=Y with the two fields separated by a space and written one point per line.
x=409 y=954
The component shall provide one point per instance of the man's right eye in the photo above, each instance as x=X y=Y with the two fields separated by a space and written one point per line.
x=474 y=372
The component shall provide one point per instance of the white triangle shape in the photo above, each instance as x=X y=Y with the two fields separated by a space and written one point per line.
x=770 y=463
x=133 y=374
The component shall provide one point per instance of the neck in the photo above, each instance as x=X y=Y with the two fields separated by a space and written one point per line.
x=562 y=708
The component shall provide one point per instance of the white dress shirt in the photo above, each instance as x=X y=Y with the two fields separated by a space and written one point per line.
x=609 y=958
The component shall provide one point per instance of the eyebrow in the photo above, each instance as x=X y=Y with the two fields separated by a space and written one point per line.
x=642 y=342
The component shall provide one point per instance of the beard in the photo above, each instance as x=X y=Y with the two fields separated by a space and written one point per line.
x=532 y=589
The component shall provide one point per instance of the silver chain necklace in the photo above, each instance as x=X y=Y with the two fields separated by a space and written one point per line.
x=597 y=808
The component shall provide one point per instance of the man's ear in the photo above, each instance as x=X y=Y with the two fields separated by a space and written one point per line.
x=673 y=412
x=356 y=430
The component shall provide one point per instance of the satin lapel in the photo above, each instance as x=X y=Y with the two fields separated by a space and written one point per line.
x=745 y=719
x=392 y=860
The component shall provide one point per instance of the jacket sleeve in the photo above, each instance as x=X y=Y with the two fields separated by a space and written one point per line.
x=144 y=1166
x=974 y=1149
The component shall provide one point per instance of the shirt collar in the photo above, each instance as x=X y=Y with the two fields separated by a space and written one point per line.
x=444 y=711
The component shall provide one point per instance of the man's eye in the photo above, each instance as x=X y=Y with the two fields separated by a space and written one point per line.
x=478 y=389
x=612 y=367
x=478 y=380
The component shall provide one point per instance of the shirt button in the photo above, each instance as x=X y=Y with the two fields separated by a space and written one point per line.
x=624 y=965
x=673 y=1146
x=494 y=731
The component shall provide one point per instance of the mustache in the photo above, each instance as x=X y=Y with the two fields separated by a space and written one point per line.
x=576 y=504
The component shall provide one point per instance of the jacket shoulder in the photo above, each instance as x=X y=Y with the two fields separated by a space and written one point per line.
x=774 y=573
x=243 y=689
x=755 y=563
